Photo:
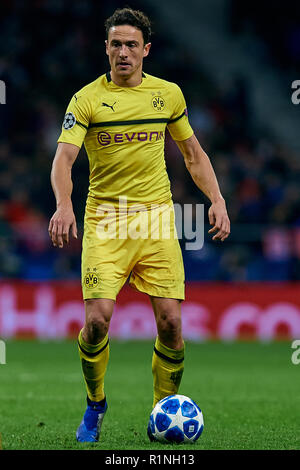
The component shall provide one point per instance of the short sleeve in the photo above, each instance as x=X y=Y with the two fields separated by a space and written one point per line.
x=76 y=121
x=178 y=125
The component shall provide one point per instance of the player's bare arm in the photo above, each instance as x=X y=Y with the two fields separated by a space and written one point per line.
x=202 y=172
x=63 y=220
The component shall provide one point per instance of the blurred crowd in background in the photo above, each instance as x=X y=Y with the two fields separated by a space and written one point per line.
x=51 y=49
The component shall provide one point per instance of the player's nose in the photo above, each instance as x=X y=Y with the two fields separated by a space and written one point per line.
x=123 y=51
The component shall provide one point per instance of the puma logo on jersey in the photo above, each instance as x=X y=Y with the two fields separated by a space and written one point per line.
x=109 y=106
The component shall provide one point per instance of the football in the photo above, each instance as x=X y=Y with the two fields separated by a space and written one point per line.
x=175 y=419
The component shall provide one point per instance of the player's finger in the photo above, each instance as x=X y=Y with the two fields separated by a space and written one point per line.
x=59 y=235
x=74 y=229
x=228 y=228
x=65 y=233
x=224 y=231
x=217 y=236
x=50 y=227
x=224 y=236
x=213 y=229
x=211 y=217
x=217 y=226
x=52 y=232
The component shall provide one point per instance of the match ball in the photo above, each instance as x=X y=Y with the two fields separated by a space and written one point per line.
x=175 y=419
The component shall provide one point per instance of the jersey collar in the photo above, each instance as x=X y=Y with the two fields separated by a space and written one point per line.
x=108 y=76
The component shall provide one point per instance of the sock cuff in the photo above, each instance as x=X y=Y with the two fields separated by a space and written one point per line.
x=92 y=349
x=171 y=355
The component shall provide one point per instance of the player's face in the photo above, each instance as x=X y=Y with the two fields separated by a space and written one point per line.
x=126 y=49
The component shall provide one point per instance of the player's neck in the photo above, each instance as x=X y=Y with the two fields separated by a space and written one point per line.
x=132 y=81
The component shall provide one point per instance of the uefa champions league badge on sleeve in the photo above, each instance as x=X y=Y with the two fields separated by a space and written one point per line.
x=69 y=121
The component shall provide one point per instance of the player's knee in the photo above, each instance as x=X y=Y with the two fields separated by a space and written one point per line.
x=169 y=325
x=97 y=322
x=97 y=328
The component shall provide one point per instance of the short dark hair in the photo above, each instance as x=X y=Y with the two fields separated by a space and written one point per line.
x=135 y=18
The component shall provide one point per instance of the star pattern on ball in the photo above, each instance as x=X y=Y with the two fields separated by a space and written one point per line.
x=175 y=419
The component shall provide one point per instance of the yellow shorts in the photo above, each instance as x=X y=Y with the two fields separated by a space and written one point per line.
x=139 y=244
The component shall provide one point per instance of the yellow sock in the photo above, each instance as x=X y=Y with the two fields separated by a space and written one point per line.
x=167 y=370
x=94 y=360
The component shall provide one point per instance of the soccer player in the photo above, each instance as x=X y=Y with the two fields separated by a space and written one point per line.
x=121 y=118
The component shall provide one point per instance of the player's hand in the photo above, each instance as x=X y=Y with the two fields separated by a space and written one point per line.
x=218 y=217
x=61 y=224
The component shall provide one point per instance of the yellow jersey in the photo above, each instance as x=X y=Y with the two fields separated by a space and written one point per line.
x=123 y=131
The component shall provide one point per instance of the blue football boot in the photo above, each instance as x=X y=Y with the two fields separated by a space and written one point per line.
x=90 y=427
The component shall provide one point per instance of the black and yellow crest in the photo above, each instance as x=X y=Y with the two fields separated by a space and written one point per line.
x=158 y=103
x=91 y=279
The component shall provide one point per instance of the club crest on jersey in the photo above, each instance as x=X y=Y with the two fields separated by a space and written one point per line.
x=69 y=121
x=91 y=279
x=158 y=103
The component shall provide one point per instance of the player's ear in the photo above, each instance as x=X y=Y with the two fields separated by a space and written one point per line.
x=147 y=49
x=106 y=46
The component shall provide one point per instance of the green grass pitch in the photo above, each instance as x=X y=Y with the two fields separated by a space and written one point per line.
x=249 y=394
